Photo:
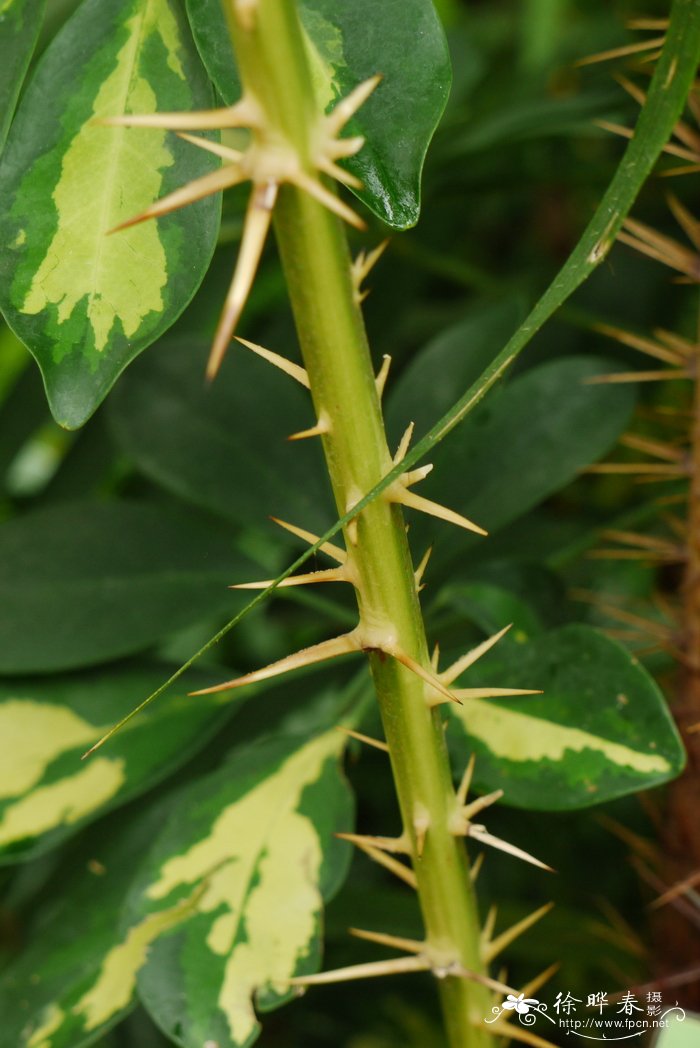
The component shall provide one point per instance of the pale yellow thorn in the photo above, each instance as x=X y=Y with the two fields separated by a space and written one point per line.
x=328 y=575
x=493 y=947
x=644 y=345
x=348 y=106
x=243 y=114
x=404 y=444
x=627 y=132
x=470 y=810
x=376 y=743
x=362 y=266
x=395 y=941
x=457 y=668
x=326 y=197
x=397 y=493
x=328 y=548
x=493 y=693
x=255 y=229
x=327 y=649
x=234 y=156
x=650 y=468
x=647 y=23
x=398 y=966
x=435 y=657
x=421 y=825
x=420 y=671
x=466 y=781
x=333 y=170
x=689 y=224
x=213 y=182
x=322 y=427
x=399 y=869
x=383 y=374
x=539 y=980
x=518 y=1033
x=657 y=448
x=620 y=52
x=341 y=148
x=393 y=845
x=638 y=376
x=475 y=869
x=420 y=570
x=295 y=371
x=680 y=888
x=415 y=476
x=480 y=833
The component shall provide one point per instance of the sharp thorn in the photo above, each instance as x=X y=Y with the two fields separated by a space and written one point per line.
x=326 y=197
x=348 y=106
x=414 y=476
x=383 y=374
x=329 y=575
x=424 y=674
x=213 y=182
x=341 y=148
x=466 y=781
x=335 y=552
x=242 y=114
x=328 y=166
x=638 y=376
x=234 y=156
x=421 y=825
x=518 y=1033
x=479 y=833
x=495 y=946
x=399 y=869
x=476 y=867
x=420 y=570
x=255 y=228
x=398 y=966
x=404 y=444
x=481 y=803
x=393 y=845
x=294 y=371
x=680 y=888
x=327 y=649
x=398 y=493
x=493 y=693
x=489 y=925
x=620 y=52
x=322 y=426
x=538 y=981
x=643 y=345
x=376 y=743
x=457 y=668
x=394 y=941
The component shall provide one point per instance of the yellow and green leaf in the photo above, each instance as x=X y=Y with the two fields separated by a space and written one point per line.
x=86 y=302
x=20 y=22
x=346 y=43
x=46 y=724
x=224 y=911
x=601 y=728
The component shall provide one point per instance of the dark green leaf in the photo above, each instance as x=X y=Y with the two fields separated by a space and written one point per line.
x=86 y=582
x=20 y=22
x=86 y=303
x=601 y=728
x=222 y=446
x=347 y=43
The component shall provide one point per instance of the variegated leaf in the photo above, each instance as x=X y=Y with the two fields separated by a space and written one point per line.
x=85 y=302
x=255 y=843
x=345 y=44
x=46 y=724
x=225 y=909
x=20 y=22
x=601 y=728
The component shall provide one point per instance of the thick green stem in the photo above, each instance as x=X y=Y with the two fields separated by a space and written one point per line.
x=316 y=261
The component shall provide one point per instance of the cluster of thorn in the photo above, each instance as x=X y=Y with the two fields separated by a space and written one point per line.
x=268 y=163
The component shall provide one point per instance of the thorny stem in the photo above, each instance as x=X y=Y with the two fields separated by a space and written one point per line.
x=273 y=65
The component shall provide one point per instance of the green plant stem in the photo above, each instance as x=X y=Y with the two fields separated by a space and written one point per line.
x=336 y=355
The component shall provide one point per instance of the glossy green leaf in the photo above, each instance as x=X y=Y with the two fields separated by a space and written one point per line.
x=84 y=302
x=222 y=446
x=601 y=728
x=20 y=22
x=86 y=582
x=525 y=443
x=46 y=792
x=347 y=43
x=73 y=929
